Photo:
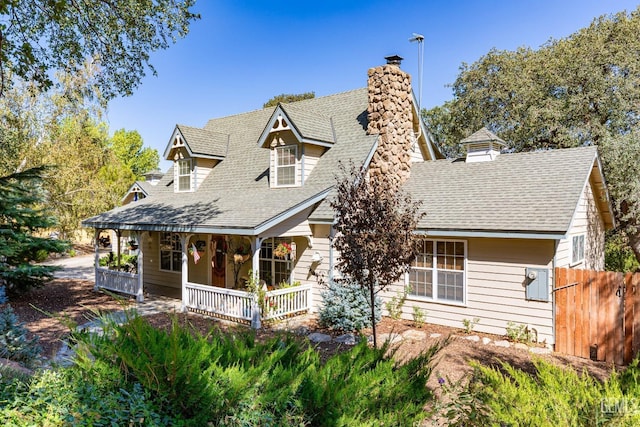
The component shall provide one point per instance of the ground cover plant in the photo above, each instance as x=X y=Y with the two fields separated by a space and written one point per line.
x=553 y=395
x=136 y=374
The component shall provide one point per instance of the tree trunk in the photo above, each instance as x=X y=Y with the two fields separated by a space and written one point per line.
x=373 y=316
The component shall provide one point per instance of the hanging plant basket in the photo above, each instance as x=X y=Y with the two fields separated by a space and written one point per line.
x=282 y=250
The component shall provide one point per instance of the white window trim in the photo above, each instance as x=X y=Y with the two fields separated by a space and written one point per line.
x=160 y=255
x=277 y=166
x=434 y=270
x=273 y=260
x=178 y=175
x=572 y=246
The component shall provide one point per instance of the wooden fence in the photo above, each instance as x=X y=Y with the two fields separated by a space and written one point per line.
x=597 y=314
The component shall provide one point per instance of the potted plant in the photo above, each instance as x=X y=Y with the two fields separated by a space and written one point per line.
x=133 y=245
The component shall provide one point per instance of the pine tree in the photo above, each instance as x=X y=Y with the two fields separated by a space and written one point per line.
x=21 y=219
x=346 y=307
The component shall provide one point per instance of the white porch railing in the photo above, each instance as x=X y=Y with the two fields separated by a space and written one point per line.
x=225 y=302
x=287 y=301
x=238 y=304
x=117 y=281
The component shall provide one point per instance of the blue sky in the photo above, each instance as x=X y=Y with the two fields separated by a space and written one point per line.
x=242 y=53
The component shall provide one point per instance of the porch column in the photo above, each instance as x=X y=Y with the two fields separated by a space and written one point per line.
x=119 y=249
x=256 y=315
x=96 y=251
x=141 y=242
x=184 y=240
x=255 y=259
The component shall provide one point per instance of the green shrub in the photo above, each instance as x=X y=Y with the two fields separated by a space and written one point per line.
x=347 y=307
x=395 y=304
x=469 y=325
x=14 y=341
x=519 y=333
x=365 y=386
x=553 y=396
x=419 y=316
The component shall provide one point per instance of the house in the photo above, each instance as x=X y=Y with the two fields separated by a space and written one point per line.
x=245 y=186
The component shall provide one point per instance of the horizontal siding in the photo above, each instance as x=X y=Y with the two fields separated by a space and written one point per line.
x=151 y=265
x=495 y=289
x=202 y=169
x=587 y=220
x=312 y=154
x=297 y=225
x=301 y=271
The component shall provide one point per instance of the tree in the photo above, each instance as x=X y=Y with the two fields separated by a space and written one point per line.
x=39 y=36
x=285 y=98
x=21 y=220
x=567 y=93
x=128 y=148
x=584 y=89
x=621 y=164
x=89 y=178
x=375 y=223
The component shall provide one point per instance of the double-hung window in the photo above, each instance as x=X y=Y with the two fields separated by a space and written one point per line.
x=439 y=271
x=286 y=165
x=184 y=175
x=577 y=249
x=274 y=270
x=170 y=252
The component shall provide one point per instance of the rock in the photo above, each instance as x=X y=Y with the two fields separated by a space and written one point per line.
x=392 y=338
x=486 y=340
x=503 y=343
x=301 y=330
x=521 y=346
x=473 y=338
x=435 y=335
x=348 y=339
x=540 y=350
x=317 y=337
x=412 y=334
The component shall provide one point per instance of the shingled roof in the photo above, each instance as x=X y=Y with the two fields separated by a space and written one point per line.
x=522 y=193
x=236 y=196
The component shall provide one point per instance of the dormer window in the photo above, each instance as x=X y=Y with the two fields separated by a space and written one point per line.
x=184 y=178
x=286 y=165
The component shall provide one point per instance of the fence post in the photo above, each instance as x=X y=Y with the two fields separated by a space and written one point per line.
x=256 y=321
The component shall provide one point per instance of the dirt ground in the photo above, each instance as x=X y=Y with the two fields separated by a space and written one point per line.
x=76 y=301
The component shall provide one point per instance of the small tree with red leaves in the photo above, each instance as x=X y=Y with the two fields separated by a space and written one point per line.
x=375 y=224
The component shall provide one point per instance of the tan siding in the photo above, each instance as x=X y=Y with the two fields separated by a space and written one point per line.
x=587 y=220
x=202 y=168
x=199 y=273
x=312 y=154
x=495 y=288
x=297 y=225
x=305 y=254
x=151 y=267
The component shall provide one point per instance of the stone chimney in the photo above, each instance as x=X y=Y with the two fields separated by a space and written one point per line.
x=390 y=116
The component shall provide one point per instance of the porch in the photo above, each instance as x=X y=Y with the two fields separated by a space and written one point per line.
x=231 y=304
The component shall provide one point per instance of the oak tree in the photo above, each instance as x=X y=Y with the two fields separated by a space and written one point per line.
x=580 y=90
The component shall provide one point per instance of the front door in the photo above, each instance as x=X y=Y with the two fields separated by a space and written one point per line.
x=218 y=261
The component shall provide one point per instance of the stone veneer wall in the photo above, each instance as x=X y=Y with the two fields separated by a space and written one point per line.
x=390 y=116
